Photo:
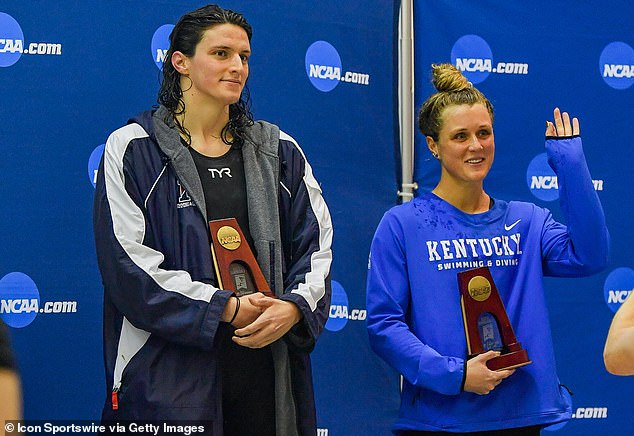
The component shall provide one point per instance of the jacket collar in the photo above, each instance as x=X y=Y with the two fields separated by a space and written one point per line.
x=169 y=142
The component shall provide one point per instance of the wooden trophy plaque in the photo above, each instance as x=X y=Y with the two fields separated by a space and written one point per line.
x=234 y=262
x=486 y=323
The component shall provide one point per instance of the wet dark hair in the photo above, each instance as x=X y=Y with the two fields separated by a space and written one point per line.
x=185 y=36
x=453 y=89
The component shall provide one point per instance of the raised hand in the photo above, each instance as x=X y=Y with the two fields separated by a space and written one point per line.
x=562 y=125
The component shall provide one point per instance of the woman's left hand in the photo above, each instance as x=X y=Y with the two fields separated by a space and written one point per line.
x=278 y=316
x=562 y=126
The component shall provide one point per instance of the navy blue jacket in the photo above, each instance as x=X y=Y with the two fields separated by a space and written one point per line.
x=161 y=307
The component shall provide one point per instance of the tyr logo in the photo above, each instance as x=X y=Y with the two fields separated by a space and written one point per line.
x=219 y=172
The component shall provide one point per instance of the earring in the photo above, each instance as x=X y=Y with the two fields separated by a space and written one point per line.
x=191 y=83
x=434 y=154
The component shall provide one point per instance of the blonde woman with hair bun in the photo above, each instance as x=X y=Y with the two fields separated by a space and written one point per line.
x=414 y=313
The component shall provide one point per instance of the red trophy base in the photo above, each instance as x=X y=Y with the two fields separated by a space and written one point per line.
x=510 y=360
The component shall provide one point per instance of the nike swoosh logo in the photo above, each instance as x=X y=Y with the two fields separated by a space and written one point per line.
x=507 y=228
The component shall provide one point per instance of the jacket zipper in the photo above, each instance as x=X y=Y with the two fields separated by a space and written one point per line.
x=115 y=397
x=272 y=266
x=566 y=388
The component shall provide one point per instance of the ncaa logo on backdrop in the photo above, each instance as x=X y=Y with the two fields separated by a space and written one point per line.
x=12 y=45
x=11 y=40
x=20 y=301
x=339 y=311
x=160 y=44
x=542 y=180
x=93 y=163
x=616 y=65
x=472 y=55
x=338 y=317
x=324 y=68
x=617 y=287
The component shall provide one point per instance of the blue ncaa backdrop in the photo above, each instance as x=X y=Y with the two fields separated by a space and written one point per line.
x=528 y=57
x=71 y=72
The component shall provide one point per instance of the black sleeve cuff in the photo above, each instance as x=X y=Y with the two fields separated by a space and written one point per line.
x=563 y=137
x=464 y=376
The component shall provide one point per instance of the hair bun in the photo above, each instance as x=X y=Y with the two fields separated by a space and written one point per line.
x=447 y=78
